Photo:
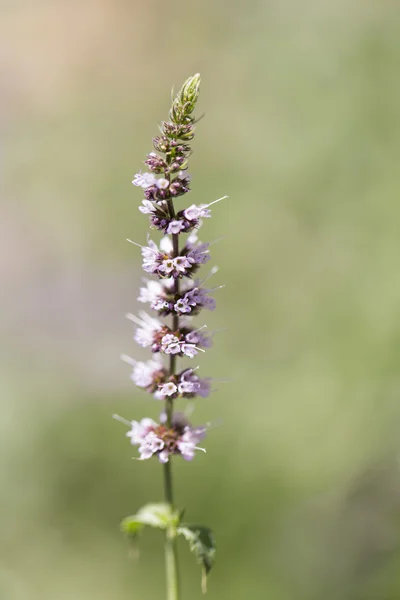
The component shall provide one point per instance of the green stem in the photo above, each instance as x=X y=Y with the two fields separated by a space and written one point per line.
x=171 y=551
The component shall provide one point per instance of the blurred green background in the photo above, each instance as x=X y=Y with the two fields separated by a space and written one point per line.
x=301 y=479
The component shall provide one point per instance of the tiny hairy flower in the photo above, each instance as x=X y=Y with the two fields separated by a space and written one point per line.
x=175 y=226
x=144 y=373
x=162 y=262
x=148 y=208
x=144 y=180
x=196 y=212
x=168 y=389
x=162 y=441
x=191 y=385
x=162 y=183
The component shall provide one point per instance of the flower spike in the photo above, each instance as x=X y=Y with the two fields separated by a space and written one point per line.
x=171 y=291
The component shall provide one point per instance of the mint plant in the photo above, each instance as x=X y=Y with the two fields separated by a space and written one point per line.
x=178 y=295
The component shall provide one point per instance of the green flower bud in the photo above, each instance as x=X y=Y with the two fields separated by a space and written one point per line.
x=185 y=101
x=190 y=91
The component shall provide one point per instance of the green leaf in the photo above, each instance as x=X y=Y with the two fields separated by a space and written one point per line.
x=159 y=516
x=202 y=543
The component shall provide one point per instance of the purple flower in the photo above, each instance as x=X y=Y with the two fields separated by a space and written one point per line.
x=144 y=373
x=151 y=333
x=195 y=298
x=148 y=207
x=193 y=213
x=191 y=385
x=167 y=266
x=146 y=330
x=175 y=226
x=187 y=443
x=182 y=264
x=144 y=180
x=162 y=298
x=183 y=345
x=162 y=262
x=152 y=257
x=168 y=389
x=199 y=255
x=148 y=180
x=162 y=183
x=198 y=338
x=160 y=440
x=170 y=344
x=151 y=292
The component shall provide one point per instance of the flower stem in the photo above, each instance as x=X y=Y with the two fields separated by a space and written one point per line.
x=171 y=549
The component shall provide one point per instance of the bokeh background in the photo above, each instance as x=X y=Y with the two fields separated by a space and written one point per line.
x=301 y=481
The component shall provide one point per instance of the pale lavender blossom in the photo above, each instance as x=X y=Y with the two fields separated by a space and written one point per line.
x=146 y=330
x=175 y=226
x=152 y=291
x=189 y=350
x=188 y=442
x=152 y=257
x=139 y=430
x=159 y=294
x=158 y=261
x=144 y=373
x=188 y=344
x=159 y=440
x=201 y=211
x=170 y=344
x=166 y=245
x=182 y=264
x=148 y=207
x=191 y=384
x=147 y=180
x=194 y=299
x=197 y=212
x=198 y=338
x=144 y=180
x=199 y=255
x=162 y=183
x=167 y=266
x=167 y=389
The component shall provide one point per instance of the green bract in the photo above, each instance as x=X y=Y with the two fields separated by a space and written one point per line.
x=202 y=543
x=185 y=100
x=159 y=516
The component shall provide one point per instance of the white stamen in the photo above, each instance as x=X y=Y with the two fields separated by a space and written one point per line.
x=211 y=273
x=212 y=333
x=191 y=370
x=134 y=319
x=218 y=287
x=128 y=360
x=134 y=243
x=217 y=240
x=199 y=329
x=215 y=201
x=122 y=420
